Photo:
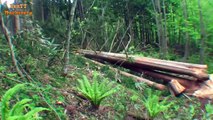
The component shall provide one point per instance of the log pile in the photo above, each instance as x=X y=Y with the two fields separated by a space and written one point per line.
x=179 y=77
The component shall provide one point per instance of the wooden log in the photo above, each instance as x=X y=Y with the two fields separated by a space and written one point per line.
x=205 y=91
x=169 y=76
x=190 y=86
x=135 y=78
x=200 y=74
x=189 y=65
x=184 y=85
x=176 y=88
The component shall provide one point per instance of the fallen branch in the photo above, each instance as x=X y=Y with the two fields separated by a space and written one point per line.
x=4 y=76
x=8 y=38
x=135 y=78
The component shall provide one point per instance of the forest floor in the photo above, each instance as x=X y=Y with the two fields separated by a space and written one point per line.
x=127 y=104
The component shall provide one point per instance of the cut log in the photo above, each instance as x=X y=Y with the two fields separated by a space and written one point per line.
x=147 y=64
x=189 y=65
x=180 y=77
x=118 y=55
x=205 y=91
x=135 y=78
x=176 y=88
x=174 y=82
x=190 y=86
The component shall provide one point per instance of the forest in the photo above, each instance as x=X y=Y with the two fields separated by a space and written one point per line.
x=106 y=59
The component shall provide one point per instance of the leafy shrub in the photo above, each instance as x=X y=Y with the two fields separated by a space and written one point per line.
x=18 y=111
x=97 y=91
x=153 y=104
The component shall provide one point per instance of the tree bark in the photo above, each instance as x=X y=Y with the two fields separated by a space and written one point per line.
x=17 y=26
x=42 y=10
x=203 y=34
x=166 y=37
x=160 y=28
x=70 y=24
x=185 y=13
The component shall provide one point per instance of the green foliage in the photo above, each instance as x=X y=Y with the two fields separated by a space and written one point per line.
x=153 y=104
x=209 y=112
x=97 y=91
x=192 y=111
x=2 y=68
x=18 y=111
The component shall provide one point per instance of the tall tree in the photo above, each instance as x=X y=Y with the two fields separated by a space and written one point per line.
x=17 y=26
x=70 y=28
x=160 y=28
x=185 y=13
x=202 y=33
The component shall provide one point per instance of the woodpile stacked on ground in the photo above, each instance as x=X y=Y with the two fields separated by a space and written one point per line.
x=178 y=77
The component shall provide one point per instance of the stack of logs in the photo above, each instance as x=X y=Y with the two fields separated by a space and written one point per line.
x=179 y=77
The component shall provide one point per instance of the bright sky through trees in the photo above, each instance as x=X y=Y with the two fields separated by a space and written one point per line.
x=8 y=2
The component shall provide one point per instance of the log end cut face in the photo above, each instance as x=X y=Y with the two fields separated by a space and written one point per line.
x=206 y=89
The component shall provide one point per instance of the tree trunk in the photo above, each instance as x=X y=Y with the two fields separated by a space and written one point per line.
x=157 y=22
x=166 y=37
x=185 y=13
x=42 y=11
x=16 y=24
x=203 y=34
x=70 y=24
x=160 y=28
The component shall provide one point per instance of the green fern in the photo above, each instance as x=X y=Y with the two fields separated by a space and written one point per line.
x=97 y=91
x=19 y=106
x=153 y=104
x=18 y=110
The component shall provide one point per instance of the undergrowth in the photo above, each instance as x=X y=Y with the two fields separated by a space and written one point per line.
x=22 y=110
x=58 y=90
x=96 y=91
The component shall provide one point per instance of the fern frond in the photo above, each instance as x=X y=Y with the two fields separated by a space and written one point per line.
x=153 y=105
x=6 y=99
x=30 y=114
x=87 y=84
x=96 y=91
x=18 y=107
x=17 y=111
x=16 y=118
